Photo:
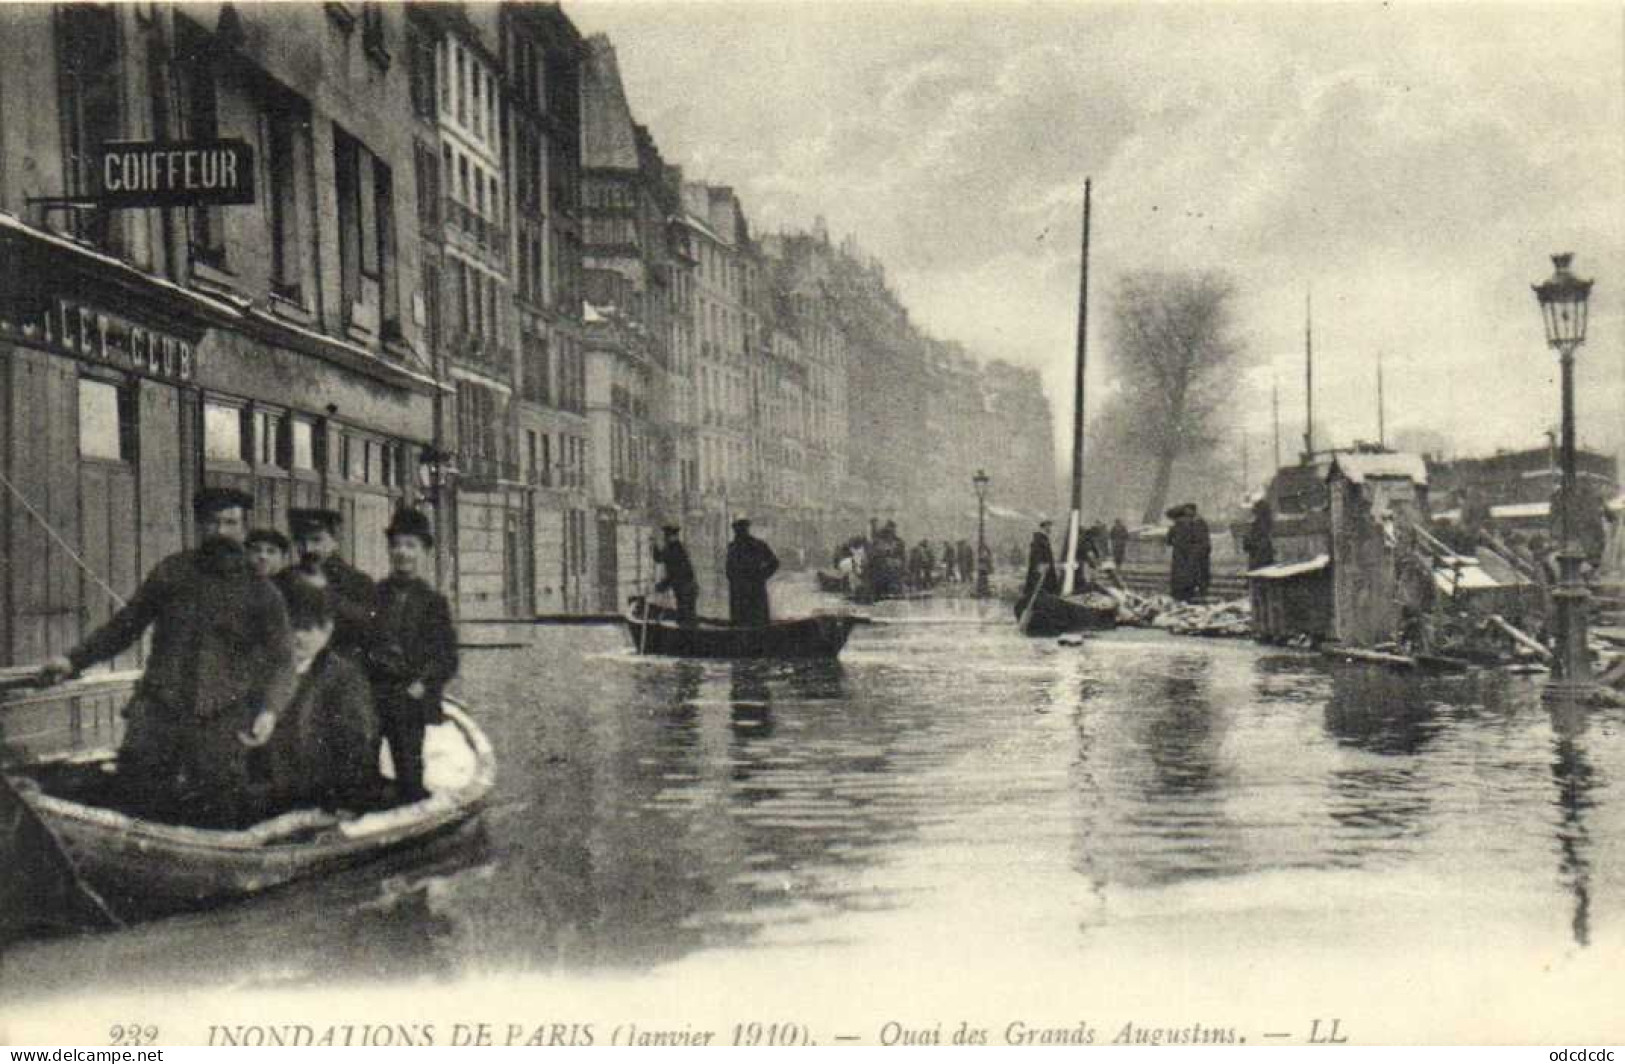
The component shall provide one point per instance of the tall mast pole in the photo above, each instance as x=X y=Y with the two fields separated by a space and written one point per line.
x=1382 y=429
x=1083 y=359
x=1308 y=376
x=1275 y=402
x=1074 y=523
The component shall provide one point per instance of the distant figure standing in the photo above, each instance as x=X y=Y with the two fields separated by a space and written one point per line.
x=950 y=563
x=751 y=563
x=1119 y=541
x=1259 y=542
x=1189 y=571
x=964 y=561
x=679 y=575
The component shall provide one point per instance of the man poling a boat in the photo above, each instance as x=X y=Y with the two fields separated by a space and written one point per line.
x=677 y=574
x=1041 y=572
x=221 y=653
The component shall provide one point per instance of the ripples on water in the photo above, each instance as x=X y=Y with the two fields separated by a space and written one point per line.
x=954 y=775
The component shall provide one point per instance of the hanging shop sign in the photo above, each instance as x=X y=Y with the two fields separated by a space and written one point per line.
x=173 y=173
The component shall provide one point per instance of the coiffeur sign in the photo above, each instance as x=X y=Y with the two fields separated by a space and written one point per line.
x=190 y=173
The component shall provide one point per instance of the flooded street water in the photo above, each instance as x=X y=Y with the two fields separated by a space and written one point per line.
x=947 y=791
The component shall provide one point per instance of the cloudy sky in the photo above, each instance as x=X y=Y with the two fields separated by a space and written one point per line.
x=1414 y=165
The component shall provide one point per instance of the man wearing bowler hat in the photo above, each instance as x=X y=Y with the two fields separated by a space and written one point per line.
x=751 y=563
x=679 y=574
x=413 y=654
x=350 y=591
x=221 y=653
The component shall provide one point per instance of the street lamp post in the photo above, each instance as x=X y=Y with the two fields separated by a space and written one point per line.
x=1563 y=307
x=981 y=481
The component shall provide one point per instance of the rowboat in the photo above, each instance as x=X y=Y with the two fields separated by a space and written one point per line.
x=1049 y=614
x=654 y=630
x=141 y=868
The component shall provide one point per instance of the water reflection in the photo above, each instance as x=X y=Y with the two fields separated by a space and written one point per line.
x=648 y=811
x=1575 y=783
x=1375 y=802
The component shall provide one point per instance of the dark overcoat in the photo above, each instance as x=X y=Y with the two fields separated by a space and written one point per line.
x=414 y=640
x=751 y=563
x=324 y=749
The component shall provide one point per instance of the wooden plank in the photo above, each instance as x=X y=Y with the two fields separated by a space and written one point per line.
x=160 y=492
x=123 y=569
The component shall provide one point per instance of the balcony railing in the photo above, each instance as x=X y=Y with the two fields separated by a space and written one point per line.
x=483 y=234
x=479 y=467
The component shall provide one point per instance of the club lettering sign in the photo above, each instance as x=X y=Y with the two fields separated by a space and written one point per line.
x=178 y=173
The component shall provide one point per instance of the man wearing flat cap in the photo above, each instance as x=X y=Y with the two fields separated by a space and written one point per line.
x=221 y=653
x=751 y=563
x=413 y=654
x=349 y=590
x=678 y=574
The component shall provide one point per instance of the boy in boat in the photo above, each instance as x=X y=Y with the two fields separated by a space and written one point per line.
x=350 y=591
x=322 y=750
x=267 y=552
x=220 y=654
x=414 y=651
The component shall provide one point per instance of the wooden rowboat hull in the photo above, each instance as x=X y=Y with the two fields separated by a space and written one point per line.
x=821 y=636
x=142 y=869
x=1051 y=615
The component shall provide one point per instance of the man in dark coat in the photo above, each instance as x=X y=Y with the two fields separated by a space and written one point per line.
x=750 y=565
x=678 y=576
x=1041 y=572
x=1259 y=542
x=322 y=750
x=1192 y=548
x=964 y=561
x=220 y=654
x=1119 y=541
x=414 y=653
x=350 y=591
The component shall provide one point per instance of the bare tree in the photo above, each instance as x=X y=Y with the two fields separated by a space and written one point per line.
x=1176 y=359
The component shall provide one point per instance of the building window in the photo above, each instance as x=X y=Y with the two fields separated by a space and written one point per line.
x=303 y=445
x=87 y=53
x=372 y=34
x=107 y=421
x=366 y=236
x=225 y=433
x=421 y=54
x=195 y=72
x=427 y=166
x=461 y=85
x=269 y=439
x=287 y=146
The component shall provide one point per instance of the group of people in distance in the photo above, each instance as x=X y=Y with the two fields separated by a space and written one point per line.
x=272 y=684
x=750 y=565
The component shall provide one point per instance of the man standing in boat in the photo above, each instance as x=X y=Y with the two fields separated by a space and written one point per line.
x=350 y=591
x=413 y=654
x=1041 y=574
x=751 y=563
x=678 y=577
x=221 y=654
